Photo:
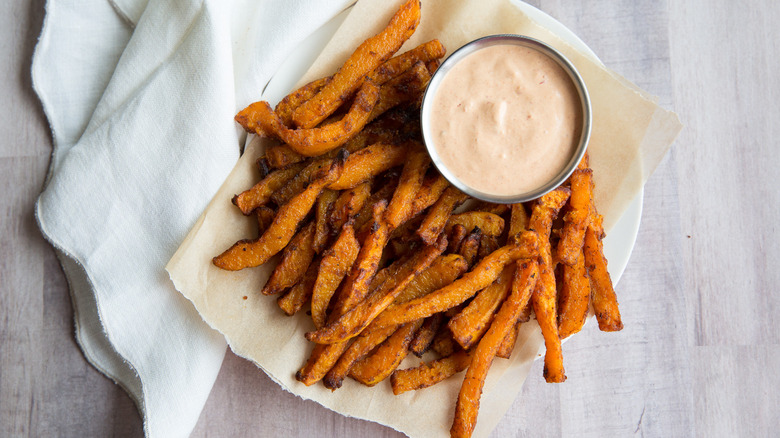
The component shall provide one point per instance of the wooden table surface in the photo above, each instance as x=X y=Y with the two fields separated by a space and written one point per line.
x=699 y=353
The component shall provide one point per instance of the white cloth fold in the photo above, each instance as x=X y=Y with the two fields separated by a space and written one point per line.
x=140 y=96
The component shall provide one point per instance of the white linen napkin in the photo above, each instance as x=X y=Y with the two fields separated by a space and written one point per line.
x=140 y=96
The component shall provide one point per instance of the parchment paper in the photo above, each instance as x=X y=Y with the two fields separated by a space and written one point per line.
x=630 y=136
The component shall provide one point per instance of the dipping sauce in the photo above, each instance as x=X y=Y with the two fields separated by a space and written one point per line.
x=506 y=119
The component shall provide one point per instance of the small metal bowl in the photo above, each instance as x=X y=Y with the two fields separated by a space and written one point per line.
x=518 y=40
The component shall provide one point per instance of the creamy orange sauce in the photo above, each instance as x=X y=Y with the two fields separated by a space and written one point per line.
x=506 y=119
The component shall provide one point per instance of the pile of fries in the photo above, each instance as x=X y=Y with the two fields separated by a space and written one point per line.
x=389 y=256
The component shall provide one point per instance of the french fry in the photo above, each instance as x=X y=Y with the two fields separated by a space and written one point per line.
x=362 y=345
x=573 y=298
x=490 y=224
x=603 y=294
x=263 y=167
x=518 y=221
x=281 y=155
x=425 y=52
x=249 y=200
x=348 y=204
x=443 y=344
x=545 y=298
x=467 y=407
x=404 y=88
x=472 y=322
x=490 y=207
x=296 y=258
x=353 y=321
x=363 y=217
x=400 y=206
x=357 y=283
x=302 y=179
x=295 y=298
x=321 y=360
x=443 y=271
x=469 y=247
x=429 y=193
x=265 y=217
x=576 y=220
x=429 y=373
x=432 y=66
x=336 y=262
x=378 y=366
x=487 y=244
x=263 y=121
x=284 y=109
x=424 y=336
x=322 y=214
x=366 y=58
x=369 y=162
x=440 y=212
x=508 y=344
x=250 y=253
x=480 y=277
x=457 y=234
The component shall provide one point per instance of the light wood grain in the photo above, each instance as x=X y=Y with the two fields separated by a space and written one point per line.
x=699 y=296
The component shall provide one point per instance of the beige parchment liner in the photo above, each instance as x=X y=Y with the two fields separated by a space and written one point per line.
x=630 y=136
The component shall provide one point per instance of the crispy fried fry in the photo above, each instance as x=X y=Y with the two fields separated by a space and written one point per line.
x=366 y=58
x=352 y=322
x=518 y=221
x=363 y=217
x=369 y=162
x=429 y=193
x=467 y=406
x=443 y=344
x=322 y=214
x=575 y=221
x=490 y=224
x=378 y=366
x=265 y=217
x=362 y=345
x=425 y=52
x=405 y=88
x=490 y=207
x=604 y=299
x=424 y=336
x=299 y=295
x=348 y=204
x=429 y=373
x=483 y=274
x=400 y=206
x=470 y=246
x=472 y=322
x=261 y=192
x=487 y=244
x=440 y=212
x=295 y=99
x=281 y=155
x=296 y=258
x=573 y=298
x=443 y=271
x=508 y=344
x=321 y=360
x=262 y=120
x=247 y=253
x=545 y=296
x=335 y=264
x=457 y=234
x=357 y=283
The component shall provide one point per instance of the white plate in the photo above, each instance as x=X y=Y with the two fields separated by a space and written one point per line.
x=620 y=241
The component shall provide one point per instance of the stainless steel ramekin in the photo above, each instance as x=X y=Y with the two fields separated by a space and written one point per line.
x=518 y=40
